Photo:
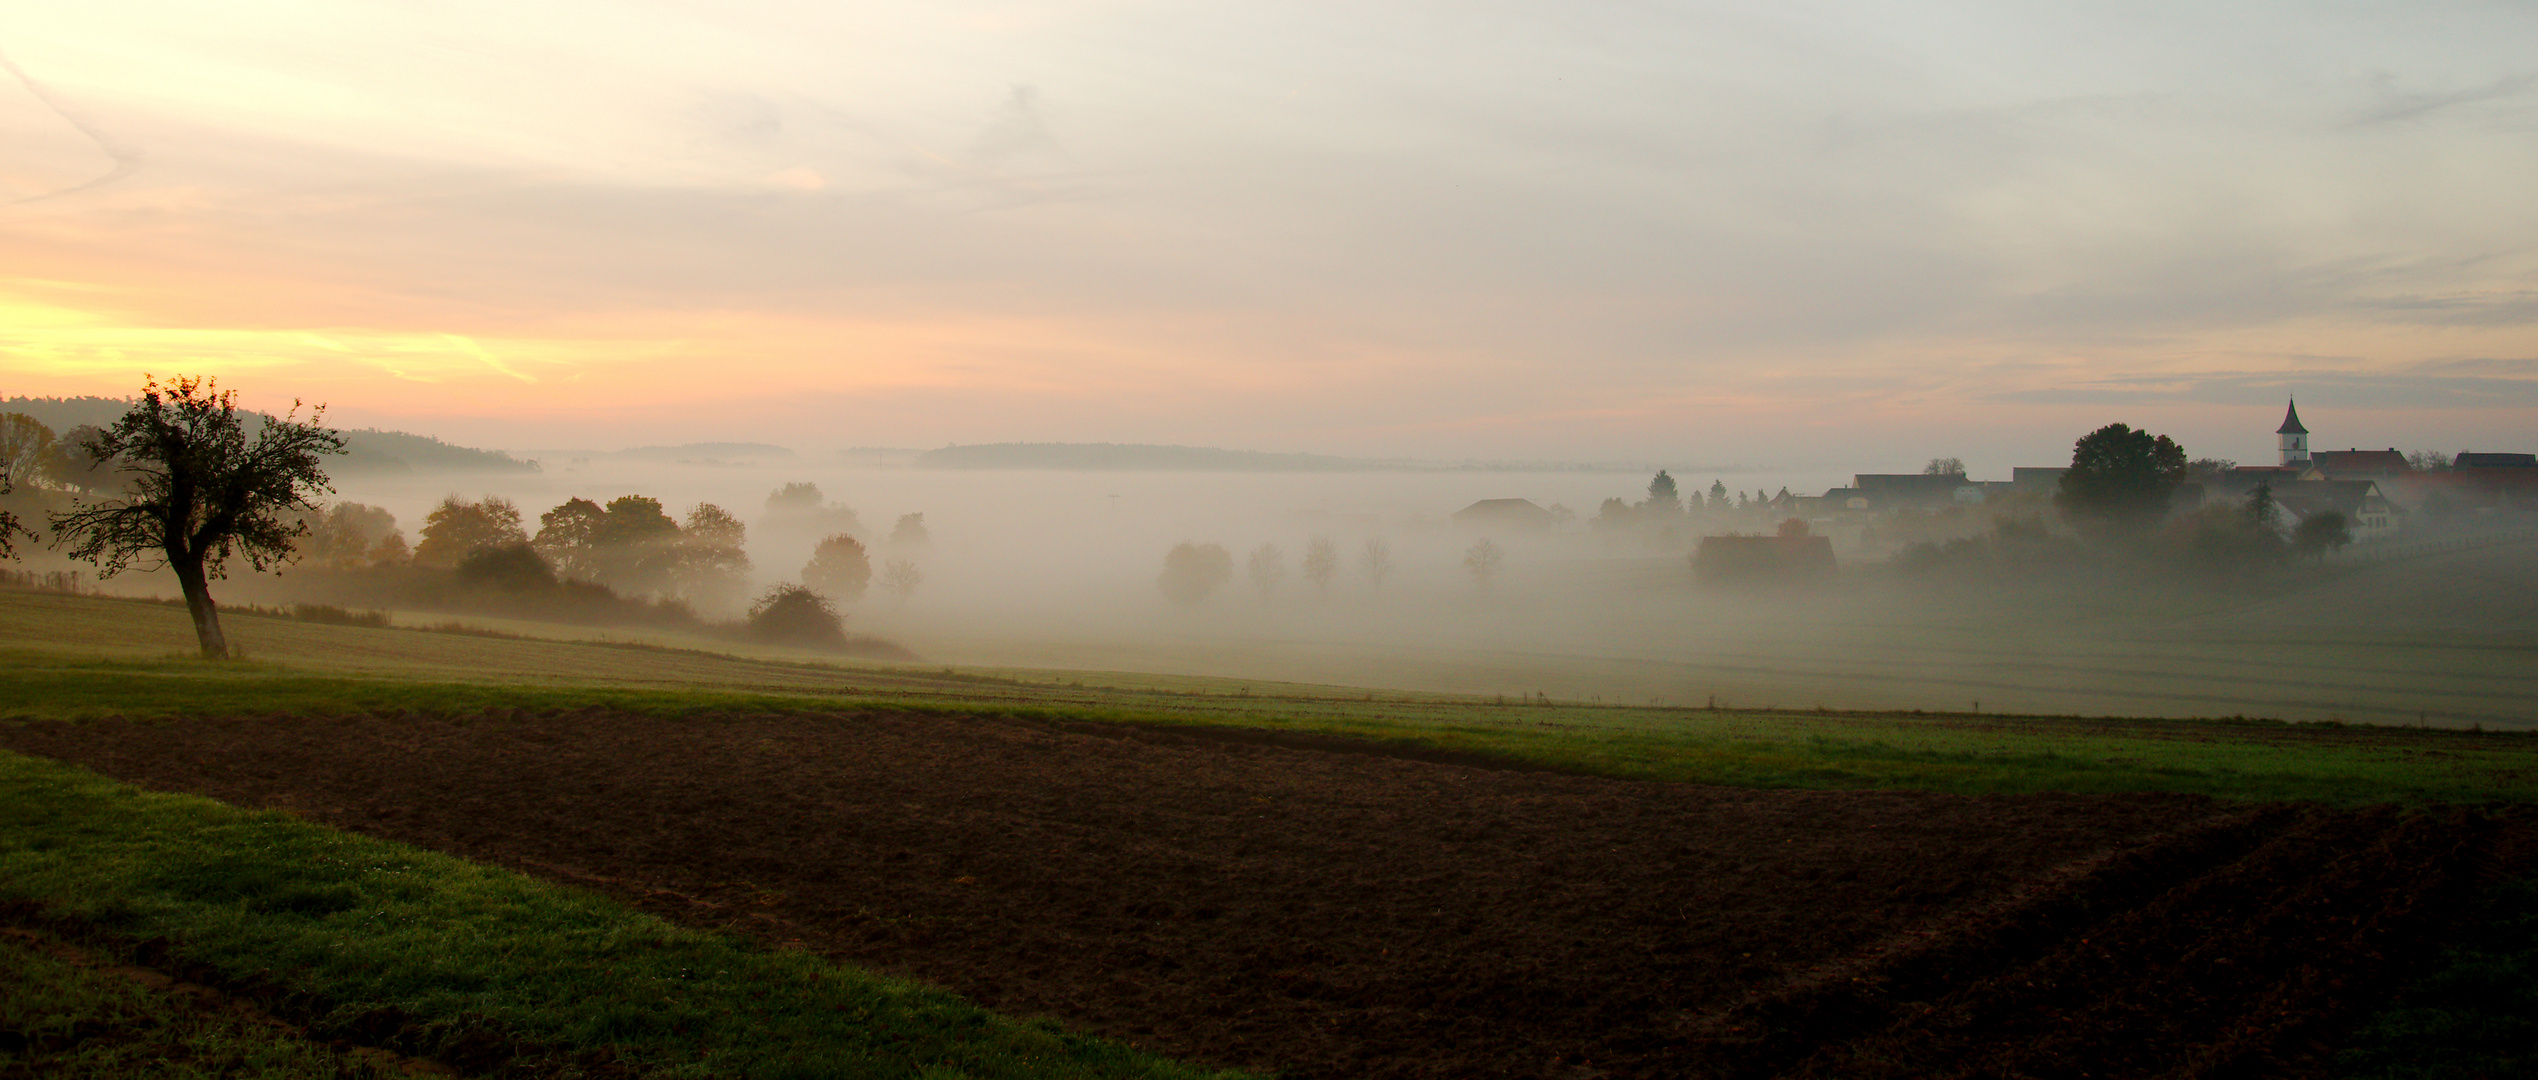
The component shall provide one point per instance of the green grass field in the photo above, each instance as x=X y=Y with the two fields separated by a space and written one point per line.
x=76 y=657
x=367 y=925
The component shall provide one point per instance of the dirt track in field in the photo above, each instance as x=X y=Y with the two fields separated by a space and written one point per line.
x=1343 y=914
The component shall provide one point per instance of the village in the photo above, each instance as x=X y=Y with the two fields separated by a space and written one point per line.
x=2373 y=497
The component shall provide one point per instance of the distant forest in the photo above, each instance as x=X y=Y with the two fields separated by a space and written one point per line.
x=367 y=451
x=1131 y=457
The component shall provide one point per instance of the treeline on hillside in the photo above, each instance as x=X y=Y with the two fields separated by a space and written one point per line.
x=72 y=422
x=625 y=562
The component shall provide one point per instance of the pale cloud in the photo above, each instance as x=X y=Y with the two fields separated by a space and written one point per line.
x=1537 y=230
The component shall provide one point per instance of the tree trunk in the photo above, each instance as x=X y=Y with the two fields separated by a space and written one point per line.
x=198 y=602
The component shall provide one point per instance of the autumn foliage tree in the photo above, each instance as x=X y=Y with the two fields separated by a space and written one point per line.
x=456 y=528
x=199 y=491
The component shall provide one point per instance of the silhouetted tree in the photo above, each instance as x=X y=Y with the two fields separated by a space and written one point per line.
x=1944 y=466
x=512 y=567
x=711 y=568
x=1321 y=563
x=1662 y=498
x=1614 y=515
x=839 y=567
x=10 y=528
x=1267 y=566
x=711 y=524
x=909 y=532
x=457 y=527
x=2121 y=479
x=2264 y=512
x=2209 y=469
x=199 y=491
x=2320 y=535
x=569 y=538
x=2428 y=461
x=1191 y=571
x=1718 y=494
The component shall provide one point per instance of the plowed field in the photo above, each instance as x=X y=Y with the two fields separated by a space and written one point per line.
x=1323 y=910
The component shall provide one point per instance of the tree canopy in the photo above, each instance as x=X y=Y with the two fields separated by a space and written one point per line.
x=456 y=528
x=839 y=567
x=198 y=491
x=2121 y=479
x=1191 y=571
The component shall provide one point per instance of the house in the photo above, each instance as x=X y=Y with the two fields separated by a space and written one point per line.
x=2474 y=460
x=1499 y=515
x=1910 y=491
x=2367 y=513
x=2037 y=481
x=2360 y=464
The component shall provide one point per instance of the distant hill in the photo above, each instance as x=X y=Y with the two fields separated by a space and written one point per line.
x=367 y=451
x=702 y=452
x=1096 y=457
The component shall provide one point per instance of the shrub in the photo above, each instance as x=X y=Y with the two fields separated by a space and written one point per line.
x=796 y=615
x=512 y=567
x=1191 y=571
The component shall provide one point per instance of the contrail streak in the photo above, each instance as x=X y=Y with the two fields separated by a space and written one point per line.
x=126 y=158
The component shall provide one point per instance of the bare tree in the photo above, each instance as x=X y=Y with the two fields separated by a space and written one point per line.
x=1944 y=466
x=901 y=577
x=1376 y=562
x=1321 y=563
x=199 y=491
x=1483 y=559
x=1267 y=566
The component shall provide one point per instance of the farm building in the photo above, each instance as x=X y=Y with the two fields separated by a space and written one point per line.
x=2359 y=464
x=1502 y=514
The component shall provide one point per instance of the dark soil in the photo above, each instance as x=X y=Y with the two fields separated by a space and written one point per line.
x=1328 y=913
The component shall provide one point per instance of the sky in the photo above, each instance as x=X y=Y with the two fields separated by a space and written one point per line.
x=1786 y=233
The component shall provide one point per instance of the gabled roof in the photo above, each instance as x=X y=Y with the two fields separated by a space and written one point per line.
x=1521 y=512
x=2291 y=422
x=2472 y=460
x=2346 y=464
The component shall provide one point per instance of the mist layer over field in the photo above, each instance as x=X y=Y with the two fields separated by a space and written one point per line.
x=1059 y=569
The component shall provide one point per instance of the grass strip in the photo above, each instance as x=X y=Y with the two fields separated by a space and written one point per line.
x=1809 y=749
x=368 y=925
x=67 y=1020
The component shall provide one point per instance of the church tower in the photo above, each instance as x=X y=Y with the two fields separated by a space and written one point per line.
x=2295 y=439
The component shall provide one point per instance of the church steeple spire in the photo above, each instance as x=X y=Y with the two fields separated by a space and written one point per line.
x=2295 y=438
x=2291 y=422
